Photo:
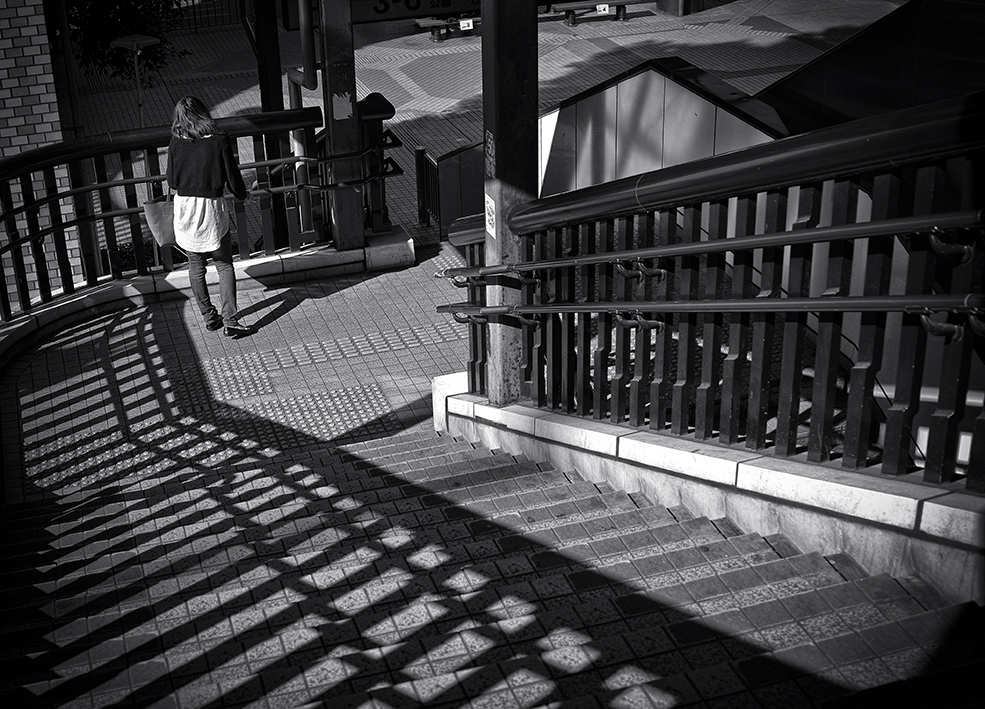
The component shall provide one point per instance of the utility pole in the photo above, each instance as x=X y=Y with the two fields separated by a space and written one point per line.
x=509 y=109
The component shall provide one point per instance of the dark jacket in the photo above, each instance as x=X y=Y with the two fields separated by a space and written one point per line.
x=201 y=168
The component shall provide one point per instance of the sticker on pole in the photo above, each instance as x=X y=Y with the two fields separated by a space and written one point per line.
x=602 y=9
x=491 y=216
x=465 y=25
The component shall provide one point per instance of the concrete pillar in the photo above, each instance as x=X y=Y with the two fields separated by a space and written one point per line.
x=272 y=99
x=509 y=106
x=64 y=71
x=341 y=122
x=680 y=7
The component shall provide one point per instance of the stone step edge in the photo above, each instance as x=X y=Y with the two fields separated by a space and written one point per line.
x=570 y=661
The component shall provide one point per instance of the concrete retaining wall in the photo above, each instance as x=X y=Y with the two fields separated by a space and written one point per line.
x=887 y=525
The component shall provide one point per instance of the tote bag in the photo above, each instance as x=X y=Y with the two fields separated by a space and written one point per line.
x=160 y=219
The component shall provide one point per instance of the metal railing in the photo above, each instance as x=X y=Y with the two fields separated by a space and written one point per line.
x=202 y=14
x=428 y=202
x=819 y=297
x=449 y=186
x=71 y=211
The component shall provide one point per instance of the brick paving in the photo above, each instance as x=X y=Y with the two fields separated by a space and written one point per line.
x=195 y=521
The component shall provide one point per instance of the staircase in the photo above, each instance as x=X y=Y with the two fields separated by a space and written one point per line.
x=424 y=571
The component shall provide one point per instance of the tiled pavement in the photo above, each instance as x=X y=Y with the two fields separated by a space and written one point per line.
x=200 y=522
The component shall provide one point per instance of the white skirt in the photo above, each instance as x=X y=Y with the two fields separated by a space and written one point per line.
x=200 y=222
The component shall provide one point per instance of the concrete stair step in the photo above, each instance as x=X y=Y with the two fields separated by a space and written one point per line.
x=615 y=551
x=596 y=527
x=952 y=678
x=380 y=449
x=475 y=575
x=305 y=451
x=782 y=545
x=399 y=458
x=444 y=517
x=409 y=506
x=537 y=660
x=354 y=479
x=314 y=481
x=371 y=446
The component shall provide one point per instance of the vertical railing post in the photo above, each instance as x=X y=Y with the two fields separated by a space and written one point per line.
x=824 y=396
x=955 y=368
x=267 y=204
x=373 y=110
x=304 y=147
x=763 y=324
x=733 y=368
x=860 y=412
x=136 y=236
x=622 y=290
x=61 y=248
x=21 y=286
x=109 y=225
x=152 y=161
x=976 y=456
x=603 y=338
x=10 y=230
x=534 y=290
x=795 y=325
x=711 y=350
x=84 y=215
x=37 y=245
x=292 y=208
x=583 y=327
x=551 y=324
x=420 y=161
x=661 y=388
x=476 y=368
x=568 y=245
x=639 y=385
x=955 y=274
x=687 y=338
x=913 y=337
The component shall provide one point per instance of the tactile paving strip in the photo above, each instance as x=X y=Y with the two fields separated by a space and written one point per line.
x=360 y=346
x=196 y=386
x=303 y=420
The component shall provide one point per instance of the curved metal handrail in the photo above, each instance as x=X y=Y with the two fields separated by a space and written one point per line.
x=973 y=303
x=154 y=137
x=147 y=180
x=269 y=191
x=925 y=224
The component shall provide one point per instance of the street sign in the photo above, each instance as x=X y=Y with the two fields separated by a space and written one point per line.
x=382 y=10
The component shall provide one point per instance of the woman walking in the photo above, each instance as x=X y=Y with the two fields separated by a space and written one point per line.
x=200 y=166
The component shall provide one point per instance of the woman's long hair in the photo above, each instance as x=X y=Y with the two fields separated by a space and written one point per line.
x=192 y=120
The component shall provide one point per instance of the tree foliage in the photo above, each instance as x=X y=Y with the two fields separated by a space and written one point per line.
x=96 y=23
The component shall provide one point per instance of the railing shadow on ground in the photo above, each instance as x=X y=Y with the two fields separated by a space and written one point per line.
x=181 y=556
